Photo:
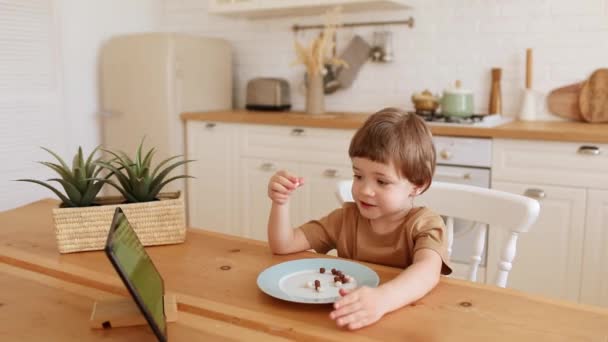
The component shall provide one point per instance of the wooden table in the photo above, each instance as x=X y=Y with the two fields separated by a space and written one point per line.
x=216 y=302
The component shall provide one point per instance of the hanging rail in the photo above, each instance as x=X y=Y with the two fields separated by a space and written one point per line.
x=409 y=22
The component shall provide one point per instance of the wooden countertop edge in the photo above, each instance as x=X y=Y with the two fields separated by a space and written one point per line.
x=536 y=130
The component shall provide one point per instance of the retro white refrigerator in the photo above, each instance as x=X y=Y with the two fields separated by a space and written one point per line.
x=149 y=79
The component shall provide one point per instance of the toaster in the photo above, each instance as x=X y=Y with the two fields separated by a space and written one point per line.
x=268 y=94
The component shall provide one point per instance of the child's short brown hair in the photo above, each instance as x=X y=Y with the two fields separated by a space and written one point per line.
x=394 y=135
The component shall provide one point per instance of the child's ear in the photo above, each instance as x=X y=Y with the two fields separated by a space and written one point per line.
x=415 y=192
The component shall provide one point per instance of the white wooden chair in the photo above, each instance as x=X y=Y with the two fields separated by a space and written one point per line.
x=484 y=207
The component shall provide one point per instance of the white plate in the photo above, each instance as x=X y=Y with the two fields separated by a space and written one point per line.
x=288 y=280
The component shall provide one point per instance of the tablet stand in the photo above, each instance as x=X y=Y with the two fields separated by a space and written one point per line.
x=123 y=312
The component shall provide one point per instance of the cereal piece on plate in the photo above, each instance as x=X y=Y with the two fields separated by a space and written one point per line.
x=322 y=270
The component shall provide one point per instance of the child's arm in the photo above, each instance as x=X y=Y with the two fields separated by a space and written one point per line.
x=281 y=237
x=364 y=306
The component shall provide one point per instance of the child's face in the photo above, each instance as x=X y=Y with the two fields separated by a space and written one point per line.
x=378 y=189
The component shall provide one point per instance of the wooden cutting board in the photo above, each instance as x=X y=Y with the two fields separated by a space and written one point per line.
x=593 y=97
x=564 y=101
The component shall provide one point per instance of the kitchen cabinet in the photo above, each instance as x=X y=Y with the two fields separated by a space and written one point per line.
x=280 y=8
x=254 y=203
x=212 y=194
x=549 y=256
x=594 y=284
x=571 y=182
x=318 y=196
x=235 y=162
x=318 y=155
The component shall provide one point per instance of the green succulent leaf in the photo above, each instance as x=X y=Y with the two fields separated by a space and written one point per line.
x=158 y=179
x=135 y=179
x=66 y=201
x=124 y=193
x=70 y=189
x=65 y=166
x=80 y=179
x=154 y=192
x=65 y=174
x=89 y=196
x=122 y=179
x=159 y=166
x=138 y=159
x=89 y=166
x=76 y=181
x=148 y=157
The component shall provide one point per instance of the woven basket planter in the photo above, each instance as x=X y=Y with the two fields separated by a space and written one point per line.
x=86 y=229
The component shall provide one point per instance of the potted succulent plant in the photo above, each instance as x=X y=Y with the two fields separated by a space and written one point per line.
x=79 y=182
x=83 y=219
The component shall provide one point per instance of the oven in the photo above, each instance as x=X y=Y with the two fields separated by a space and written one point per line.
x=464 y=161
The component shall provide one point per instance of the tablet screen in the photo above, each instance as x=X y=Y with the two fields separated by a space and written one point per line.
x=137 y=272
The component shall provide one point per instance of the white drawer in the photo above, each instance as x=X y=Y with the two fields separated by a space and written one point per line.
x=296 y=143
x=560 y=163
x=463 y=151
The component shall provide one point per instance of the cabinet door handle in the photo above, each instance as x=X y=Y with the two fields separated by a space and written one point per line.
x=454 y=175
x=331 y=173
x=445 y=154
x=535 y=193
x=589 y=150
x=210 y=125
x=268 y=167
x=297 y=131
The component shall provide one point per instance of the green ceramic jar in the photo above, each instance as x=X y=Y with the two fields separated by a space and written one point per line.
x=457 y=101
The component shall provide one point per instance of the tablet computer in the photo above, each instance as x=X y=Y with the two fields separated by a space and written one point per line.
x=137 y=272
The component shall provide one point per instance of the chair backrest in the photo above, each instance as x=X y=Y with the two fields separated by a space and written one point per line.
x=484 y=207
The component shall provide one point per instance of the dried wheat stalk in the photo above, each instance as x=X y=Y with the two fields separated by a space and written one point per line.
x=315 y=56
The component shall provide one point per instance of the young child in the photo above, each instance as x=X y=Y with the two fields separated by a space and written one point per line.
x=393 y=160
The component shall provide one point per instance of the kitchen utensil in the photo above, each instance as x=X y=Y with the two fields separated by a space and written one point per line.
x=593 y=97
x=330 y=81
x=382 y=47
x=457 y=101
x=495 y=105
x=563 y=101
x=355 y=54
x=528 y=105
x=425 y=102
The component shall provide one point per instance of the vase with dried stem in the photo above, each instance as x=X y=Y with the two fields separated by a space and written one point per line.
x=315 y=57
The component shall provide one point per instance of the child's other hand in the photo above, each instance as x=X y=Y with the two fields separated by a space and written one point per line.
x=358 y=307
x=281 y=185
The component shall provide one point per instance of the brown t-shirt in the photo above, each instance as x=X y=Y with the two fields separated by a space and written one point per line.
x=352 y=236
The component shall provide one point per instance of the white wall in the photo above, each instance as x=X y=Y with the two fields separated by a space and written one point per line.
x=452 y=39
x=85 y=26
x=54 y=103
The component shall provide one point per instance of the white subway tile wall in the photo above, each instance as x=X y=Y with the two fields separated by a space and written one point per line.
x=452 y=39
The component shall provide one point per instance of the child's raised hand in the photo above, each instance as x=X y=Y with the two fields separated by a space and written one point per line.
x=358 y=307
x=281 y=185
